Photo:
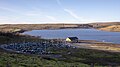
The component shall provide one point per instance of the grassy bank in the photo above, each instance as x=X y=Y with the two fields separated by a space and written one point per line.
x=19 y=60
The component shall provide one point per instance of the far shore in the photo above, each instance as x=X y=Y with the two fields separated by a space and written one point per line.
x=108 y=26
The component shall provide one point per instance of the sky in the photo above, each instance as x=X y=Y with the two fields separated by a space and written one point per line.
x=58 y=11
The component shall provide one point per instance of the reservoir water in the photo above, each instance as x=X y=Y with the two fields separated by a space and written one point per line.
x=83 y=34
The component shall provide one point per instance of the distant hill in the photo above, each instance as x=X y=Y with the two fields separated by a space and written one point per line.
x=108 y=26
x=103 y=24
x=12 y=27
x=114 y=28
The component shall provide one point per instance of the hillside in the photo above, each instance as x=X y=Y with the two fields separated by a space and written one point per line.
x=103 y=24
x=113 y=28
x=14 y=27
x=106 y=26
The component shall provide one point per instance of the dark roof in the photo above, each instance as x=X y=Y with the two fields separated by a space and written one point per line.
x=73 y=38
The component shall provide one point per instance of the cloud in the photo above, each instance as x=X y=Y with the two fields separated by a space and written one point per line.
x=3 y=18
x=34 y=12
x=15 y=22
x=59 y=3
x=68 y=11
x=8 y=9
x=51 y=18
x=31 y=14
x=72 y=14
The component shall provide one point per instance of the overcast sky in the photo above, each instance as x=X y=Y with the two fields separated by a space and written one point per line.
x=59 y=11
